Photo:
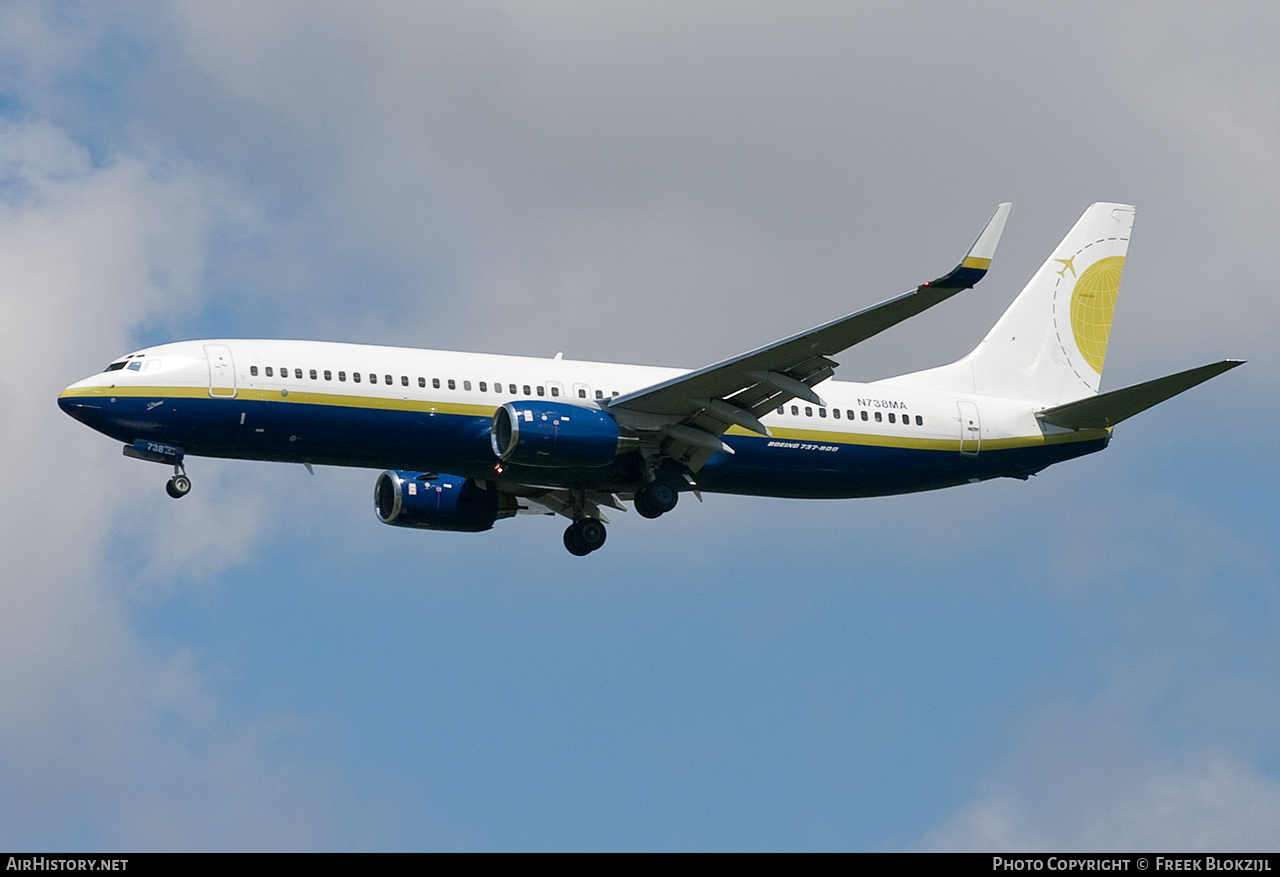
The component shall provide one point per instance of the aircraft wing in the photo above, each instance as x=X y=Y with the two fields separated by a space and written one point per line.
x=691 y=412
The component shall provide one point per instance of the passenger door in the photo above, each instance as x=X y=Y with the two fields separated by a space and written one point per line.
x=222 y=372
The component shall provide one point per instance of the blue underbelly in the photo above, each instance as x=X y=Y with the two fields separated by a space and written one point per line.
x=387 y=438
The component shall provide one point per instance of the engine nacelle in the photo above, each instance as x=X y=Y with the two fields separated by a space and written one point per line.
x=554 y=435
x=444 y=502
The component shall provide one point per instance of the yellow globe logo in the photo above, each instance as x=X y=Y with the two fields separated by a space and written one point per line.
x=1092 y=304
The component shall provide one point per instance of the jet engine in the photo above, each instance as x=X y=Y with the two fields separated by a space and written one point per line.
x=554 y=435
x=438 y=502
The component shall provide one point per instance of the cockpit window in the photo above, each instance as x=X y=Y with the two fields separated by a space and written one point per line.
x=136 y=365
x=114 y=367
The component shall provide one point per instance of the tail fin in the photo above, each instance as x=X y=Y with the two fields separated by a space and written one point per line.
x=1050 y=345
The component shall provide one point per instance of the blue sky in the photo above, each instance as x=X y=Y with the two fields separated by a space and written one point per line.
x=1084 y=661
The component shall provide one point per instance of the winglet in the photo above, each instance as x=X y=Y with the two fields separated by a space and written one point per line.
x=973 y=267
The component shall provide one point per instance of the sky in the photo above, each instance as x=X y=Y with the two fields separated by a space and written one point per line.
x=1086 y=661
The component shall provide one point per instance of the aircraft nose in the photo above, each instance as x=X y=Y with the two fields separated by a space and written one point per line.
x=86 y=402
x=82 y=408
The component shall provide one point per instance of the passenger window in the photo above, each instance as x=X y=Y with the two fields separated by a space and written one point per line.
x=850 y=413
x=919 y=420
x=835 y=413
x=452 y=385
x=328 y=375
x=342 y=376
x=484 y=388
x=388 y=380
x=466 y=385
x=782 y=411
x=269 y=371
x=526 y=390
x=511 y=388
x=891 y=419
x=599 y=394
x=864 y=415
x=542 y=391
x=614 y=393
x=435 y=382
x=355 y=376
x=404 y=380
x=284 y=372
x=373 y=379
x=422 y=382
x=253 y=370
x=878 y=417
x=313 y=374
x=582 y=394
x=822 y=412
x=808 y=411
x=795 y=410
x=555 y=391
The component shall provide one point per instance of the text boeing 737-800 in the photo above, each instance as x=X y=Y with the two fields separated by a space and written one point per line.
x=555 y=436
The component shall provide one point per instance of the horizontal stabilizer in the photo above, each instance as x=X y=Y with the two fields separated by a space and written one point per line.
x=1108 y=409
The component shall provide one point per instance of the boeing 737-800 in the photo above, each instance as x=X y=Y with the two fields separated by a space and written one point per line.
x=469 y=439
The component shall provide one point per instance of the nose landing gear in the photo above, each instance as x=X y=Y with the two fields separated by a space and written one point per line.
x=158 y=452
x=179 y=485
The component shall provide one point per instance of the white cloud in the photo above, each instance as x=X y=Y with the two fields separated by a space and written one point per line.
x=105 y=740
x=1094 y=794
x=1164 y=744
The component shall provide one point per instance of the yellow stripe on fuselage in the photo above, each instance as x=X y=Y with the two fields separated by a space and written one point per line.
x=814 y=436
x=289 y=396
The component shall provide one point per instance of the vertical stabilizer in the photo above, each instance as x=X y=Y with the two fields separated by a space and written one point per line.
x=1050 y=345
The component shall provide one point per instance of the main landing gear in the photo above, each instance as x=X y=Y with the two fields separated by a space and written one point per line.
x=584 y=536
x=656 y=498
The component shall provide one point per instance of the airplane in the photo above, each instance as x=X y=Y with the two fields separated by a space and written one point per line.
x=469 y=439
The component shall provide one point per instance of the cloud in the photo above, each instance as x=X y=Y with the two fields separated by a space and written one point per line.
x=1157 y=735
x=1082 y=789
x=106 y=740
